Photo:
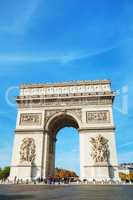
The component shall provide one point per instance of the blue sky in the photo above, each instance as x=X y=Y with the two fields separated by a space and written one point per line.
x=59 y=40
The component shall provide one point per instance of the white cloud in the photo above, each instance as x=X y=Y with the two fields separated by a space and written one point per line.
x=63 y=58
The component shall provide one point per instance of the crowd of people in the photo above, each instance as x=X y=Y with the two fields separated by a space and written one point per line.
x=49 y=180
x=57 y=180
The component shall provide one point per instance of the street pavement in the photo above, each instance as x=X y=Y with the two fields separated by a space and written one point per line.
x=66 y=192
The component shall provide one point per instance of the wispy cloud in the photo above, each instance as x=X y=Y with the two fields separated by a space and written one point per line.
x=62 y=58
x=125 y=145
x=21 y=22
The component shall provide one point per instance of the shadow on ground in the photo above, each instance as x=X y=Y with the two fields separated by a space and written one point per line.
x=16 y=197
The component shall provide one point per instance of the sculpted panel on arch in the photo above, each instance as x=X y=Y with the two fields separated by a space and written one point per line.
x=27 y=119
x=100 y=149
x=76 y=112
x=27 y=150
x=98 y=116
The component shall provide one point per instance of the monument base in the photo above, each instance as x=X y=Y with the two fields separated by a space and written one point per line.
x=21 y=172
x=97 y=172
x=101 y=173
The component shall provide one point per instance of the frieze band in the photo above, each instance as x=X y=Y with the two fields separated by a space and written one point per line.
x=28 y=119
x=97 y=116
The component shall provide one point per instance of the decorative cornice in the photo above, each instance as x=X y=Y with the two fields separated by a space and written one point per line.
x=25 y=130
x=61 y=102
x=26 y=165
x=61 y=96
x=67 y=83
x=110 y=128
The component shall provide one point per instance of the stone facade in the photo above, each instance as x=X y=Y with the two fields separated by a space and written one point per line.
x=43 y=109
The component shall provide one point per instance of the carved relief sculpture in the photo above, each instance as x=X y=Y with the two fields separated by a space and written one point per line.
x=27 y=119
x=56 y=102
x=100 y=149
x=98 y=116
x=76 y=112
x=27 y=150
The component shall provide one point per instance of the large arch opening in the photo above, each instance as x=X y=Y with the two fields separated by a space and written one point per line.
x=67 y=150
x=63 y=139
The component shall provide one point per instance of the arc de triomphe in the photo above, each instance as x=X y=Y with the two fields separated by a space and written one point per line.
x=43 y=109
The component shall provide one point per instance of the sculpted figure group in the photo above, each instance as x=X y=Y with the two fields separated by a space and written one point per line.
x=100 y=149
x=27 y=150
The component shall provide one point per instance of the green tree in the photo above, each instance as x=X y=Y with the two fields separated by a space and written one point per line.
x=4 y=173
x=124 y=177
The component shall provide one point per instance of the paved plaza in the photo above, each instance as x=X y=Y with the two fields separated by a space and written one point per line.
x=66 y=192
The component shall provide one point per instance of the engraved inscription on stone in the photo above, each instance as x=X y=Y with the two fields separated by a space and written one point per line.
x=98 y=116
x=27 y=150
x=27 y=119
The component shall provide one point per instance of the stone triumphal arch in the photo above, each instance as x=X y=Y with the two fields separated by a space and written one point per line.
x=43 y=109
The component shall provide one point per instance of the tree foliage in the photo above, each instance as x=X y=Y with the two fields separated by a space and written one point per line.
x=4 y=173
x=61 y=173
x=126 y=177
